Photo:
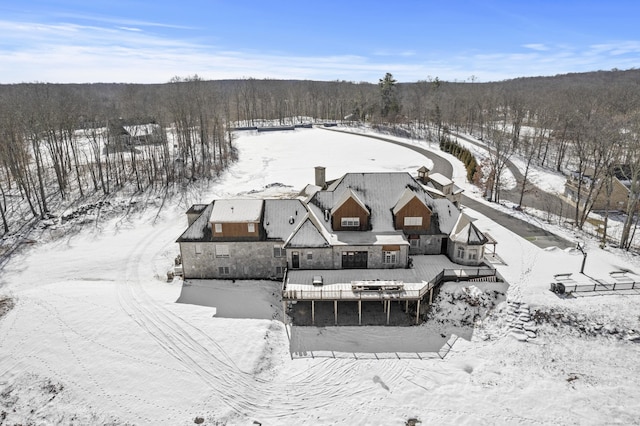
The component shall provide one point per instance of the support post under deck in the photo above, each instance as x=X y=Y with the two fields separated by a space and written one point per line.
x=388 y=302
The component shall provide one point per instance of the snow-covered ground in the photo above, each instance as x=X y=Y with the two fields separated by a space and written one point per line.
x=97 y=335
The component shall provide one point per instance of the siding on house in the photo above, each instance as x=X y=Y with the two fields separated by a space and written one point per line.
x=236 y=230
x=413 y=208
x=350 y=208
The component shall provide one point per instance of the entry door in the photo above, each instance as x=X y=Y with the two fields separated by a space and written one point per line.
x=295 y=259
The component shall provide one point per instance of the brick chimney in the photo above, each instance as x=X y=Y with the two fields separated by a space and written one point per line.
x=321 y=179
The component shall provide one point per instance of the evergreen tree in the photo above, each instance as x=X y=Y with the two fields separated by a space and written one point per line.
x=390 y=106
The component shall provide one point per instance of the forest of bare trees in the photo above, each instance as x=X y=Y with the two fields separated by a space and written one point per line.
x=59 y=143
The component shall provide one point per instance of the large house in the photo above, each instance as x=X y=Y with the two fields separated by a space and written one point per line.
x=363 y=237
x=619 y=177
x=360 y=221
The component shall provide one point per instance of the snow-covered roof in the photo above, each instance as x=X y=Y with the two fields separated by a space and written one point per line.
x=308 y=192
x=281 y=217
x=432 y=190
x=440 y=179
x=380 y=192
x=200 y=229
x=358 y=238
x=307 y=235
x=236 y=211
x=348 y=194
x=407 y=196
x=455 y=189
x=466 y=232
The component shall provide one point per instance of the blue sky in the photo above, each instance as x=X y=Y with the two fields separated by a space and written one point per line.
x=80 y=41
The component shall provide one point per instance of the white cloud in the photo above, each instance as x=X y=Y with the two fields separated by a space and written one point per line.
x=129 y=29
x=401 y=53
x=618 y=48
x=536 y=46
x=139 y=54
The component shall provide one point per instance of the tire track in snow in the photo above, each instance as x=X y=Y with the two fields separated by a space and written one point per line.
x=231 y=387
x=228 y=384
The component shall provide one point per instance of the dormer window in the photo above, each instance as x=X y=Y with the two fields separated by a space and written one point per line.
x=251 y=228
x=218 y=228
x=413 y=221
x=350 y=222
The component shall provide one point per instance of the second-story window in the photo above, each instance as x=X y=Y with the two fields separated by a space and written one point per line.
x=350 y=222
x=413 y=221
x=222 y=250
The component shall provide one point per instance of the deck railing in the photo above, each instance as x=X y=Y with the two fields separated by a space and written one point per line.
x=326 y=293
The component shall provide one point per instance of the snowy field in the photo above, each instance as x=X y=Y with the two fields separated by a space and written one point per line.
x=97 y=335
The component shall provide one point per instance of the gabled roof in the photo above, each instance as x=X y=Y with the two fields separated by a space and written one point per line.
x=348 y=194
x=407 y=196
x=466 y=232
x=307 y=234
x=237 y=211
x=423 y=169
x=380 y=193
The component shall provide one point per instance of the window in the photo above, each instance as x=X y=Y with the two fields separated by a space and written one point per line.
x=278 y=251
x=223 y=270
x=390 y=257
x=218 y=228
x=473 y=254
x=350 y=222
x=309 y=255
x=251 y=227
x=460 y=252
x=198 y=248
x=415 y=242
x=279 y=270
x=413 y=221
x=222 y=250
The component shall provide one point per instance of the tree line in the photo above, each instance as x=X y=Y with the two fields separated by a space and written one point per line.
x=52 y=137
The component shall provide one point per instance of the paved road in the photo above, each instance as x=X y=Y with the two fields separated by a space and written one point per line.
x=526 y=230
x=534 y=197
